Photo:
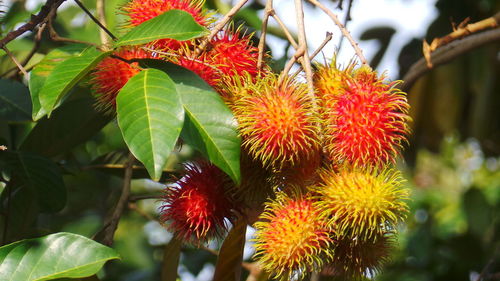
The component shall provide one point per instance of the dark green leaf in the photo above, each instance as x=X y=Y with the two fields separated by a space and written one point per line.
x=39 y=174
x=174 y=24
x=71 y=124
x=66 y=75
x=150 y=115
x=210 y=126
x=42 y=70
x=228 y=267
x=171 y=255
x=15 y=105
x=59 y=255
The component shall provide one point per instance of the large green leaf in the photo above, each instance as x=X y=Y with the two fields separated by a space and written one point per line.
x=150 y=115
x=15 y=105
x=71 y=124
x=66 y=75
x=210 y=126
x=59 y=255
x=174 y=24
x=39 y=174
x=228 y=267
x=42 y=70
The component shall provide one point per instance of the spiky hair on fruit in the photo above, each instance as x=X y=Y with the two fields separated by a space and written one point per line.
x=365 y=118
x=139 y=11
x=362 y=203
x=111 y=74
x=291 y=238
x=197 y=207
x=276 y=120
x=355 y=259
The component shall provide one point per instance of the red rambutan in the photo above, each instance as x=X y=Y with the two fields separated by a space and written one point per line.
x=276 y=121
x=291 y=238
x=111 y=74
x=365 y=119
x=197 y=207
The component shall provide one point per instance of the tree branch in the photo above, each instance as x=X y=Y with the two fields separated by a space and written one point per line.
x=40 y=18
x=447 y=53
x=106 y=234
x=94 y=19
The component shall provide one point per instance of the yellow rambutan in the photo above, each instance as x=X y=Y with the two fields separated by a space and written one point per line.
x=112 y=73
x=291 y=238
x=276 y=120
x=355 y=259
x=365 y=119
x=362 y=203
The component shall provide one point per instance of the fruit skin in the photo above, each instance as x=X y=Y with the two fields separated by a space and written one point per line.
x=111 y=74
x=276 y=121
x=361 y=203
x=139 y=11
x=354 y=259
x=198 y=206
x=291 y=237
x=365 y=119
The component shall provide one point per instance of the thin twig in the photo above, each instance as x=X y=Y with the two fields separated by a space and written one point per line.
x=219 y=26
x=54 y=36
x=342 y=28
x=287 y=32
x=346 y=21
x=447 y=53
x=316 y=52
x=101 y=14
x=290 y=63
x=16 y=62
x=94 y=19
x=106 y=234
x=262 y=42
x=299 y=12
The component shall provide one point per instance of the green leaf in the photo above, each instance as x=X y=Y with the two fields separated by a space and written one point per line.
x=66 y=75
x=42 y=70
x=174 y=24
x=59 y=255
x=15 y=104
x=210 y=126
x=228 y=267
x=39 y=174
x=150 y=116
x=71 y=124
x=171 y=255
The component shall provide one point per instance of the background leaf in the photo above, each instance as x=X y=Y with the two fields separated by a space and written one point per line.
x=54 y=256
x=174 y=24
x=150 y=115
x=42 y=70
x=66 y=75
x=210 y=126
x=39 y=174
x=171 y=255
x=228 y=267
x=71 y=124
x=15 y=104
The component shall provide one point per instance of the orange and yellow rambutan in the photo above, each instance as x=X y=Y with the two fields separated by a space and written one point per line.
x=276 y=121
x=291 y=238
x=362 y=203
x=365 y=119
x=112 y=73
x=354 y=259
x=198 y=206
x=139 y=11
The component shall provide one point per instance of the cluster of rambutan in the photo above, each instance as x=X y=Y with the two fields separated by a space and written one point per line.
x=317 y=167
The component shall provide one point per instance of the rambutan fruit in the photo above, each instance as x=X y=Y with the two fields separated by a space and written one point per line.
x=198 y=206
x=111 y=74
x=276 y=121
x=354 y=259
x=139 y=11
x=365 y=119
x=291 y=237
x=362 y=203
